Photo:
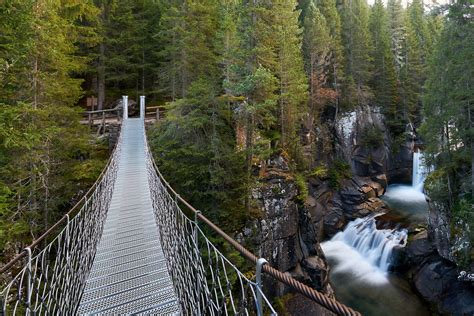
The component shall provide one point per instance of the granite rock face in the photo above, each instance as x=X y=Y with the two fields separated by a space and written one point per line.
x=287 y=233
x=357 y=197
x=436 y=279
x=289 y=230
x=368 y=158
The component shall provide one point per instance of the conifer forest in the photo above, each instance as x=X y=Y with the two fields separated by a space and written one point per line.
x=335 y=138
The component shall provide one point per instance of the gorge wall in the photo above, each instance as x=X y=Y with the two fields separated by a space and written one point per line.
x=344 y=183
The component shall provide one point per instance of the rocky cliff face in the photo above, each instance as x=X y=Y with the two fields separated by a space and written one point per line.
x=286 y=234
x=290 y=230
x=436 y=279
x=364 y=141
x=439 y=230
x=358 y=197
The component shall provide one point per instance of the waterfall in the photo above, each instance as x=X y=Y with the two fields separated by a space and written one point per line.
x=419 y=171
x=374 y=244
x=363 y=250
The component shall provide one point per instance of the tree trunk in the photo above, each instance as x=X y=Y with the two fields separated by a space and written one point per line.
x=143 y=68
x=35 y=84
x=337 y=94
x=249 y=155
x=101 y=78
x=471 y=140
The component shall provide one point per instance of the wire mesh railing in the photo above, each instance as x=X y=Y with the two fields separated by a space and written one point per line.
x=204 y=279
x=51 y=280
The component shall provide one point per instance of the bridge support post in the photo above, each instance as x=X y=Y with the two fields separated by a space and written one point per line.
x=197 y=258
x=260 y=263
x=125 y=106
x=28 y=280
x=142 y=107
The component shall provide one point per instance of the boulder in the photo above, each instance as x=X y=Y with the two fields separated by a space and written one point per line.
x=334 y=221
x=438 y=283
x=318 y=271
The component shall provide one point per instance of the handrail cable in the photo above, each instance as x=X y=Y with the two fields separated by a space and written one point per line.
x=318 y=297
x=65 y=217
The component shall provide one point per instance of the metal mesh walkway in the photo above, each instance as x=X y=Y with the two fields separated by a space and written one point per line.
x=129 y=274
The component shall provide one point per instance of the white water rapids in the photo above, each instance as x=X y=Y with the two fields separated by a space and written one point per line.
x=363 y=250
x=361 y=255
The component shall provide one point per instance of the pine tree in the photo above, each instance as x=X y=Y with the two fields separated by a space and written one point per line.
x=271 y=42
x=397 y=31
x=448 y=128
x=384 y=79
x=196 y=145
x=356 y=39
x=189 y=47
x=120 y=53
x=42 y=145
x=169 y=36
x=16 y=24
x=230 y=41
x=328 y=9
x=37 y=73
x=318 y=53
x=414 y=65
x=289 y=69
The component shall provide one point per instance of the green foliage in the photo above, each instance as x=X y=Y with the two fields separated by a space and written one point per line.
x=339 y=171
x=281 y=302
x=413 y=72
x=47 y=157
x=271 y=47
x=321 y=171
x=319 y=53
x=395 y=17
x=41 y=50
x=356 y=40
x=188 y=47
x=371 y=137
x=195 y=149
x=384 y=78
x=447 y=107
x=42 y=144
x=302 y=185
x=437 y=185
x=328 y=9
x=461 y=230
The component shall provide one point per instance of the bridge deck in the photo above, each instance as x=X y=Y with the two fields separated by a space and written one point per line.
x=129 y=274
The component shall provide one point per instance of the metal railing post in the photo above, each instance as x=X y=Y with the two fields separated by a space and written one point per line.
x=260 y=263
x=197 y=254
x=103 y=122
x=28 y=280
x=68 y=263
x=142 y=107
x=125 y=106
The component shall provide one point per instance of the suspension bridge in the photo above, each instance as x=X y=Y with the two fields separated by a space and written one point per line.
x=133 y=246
